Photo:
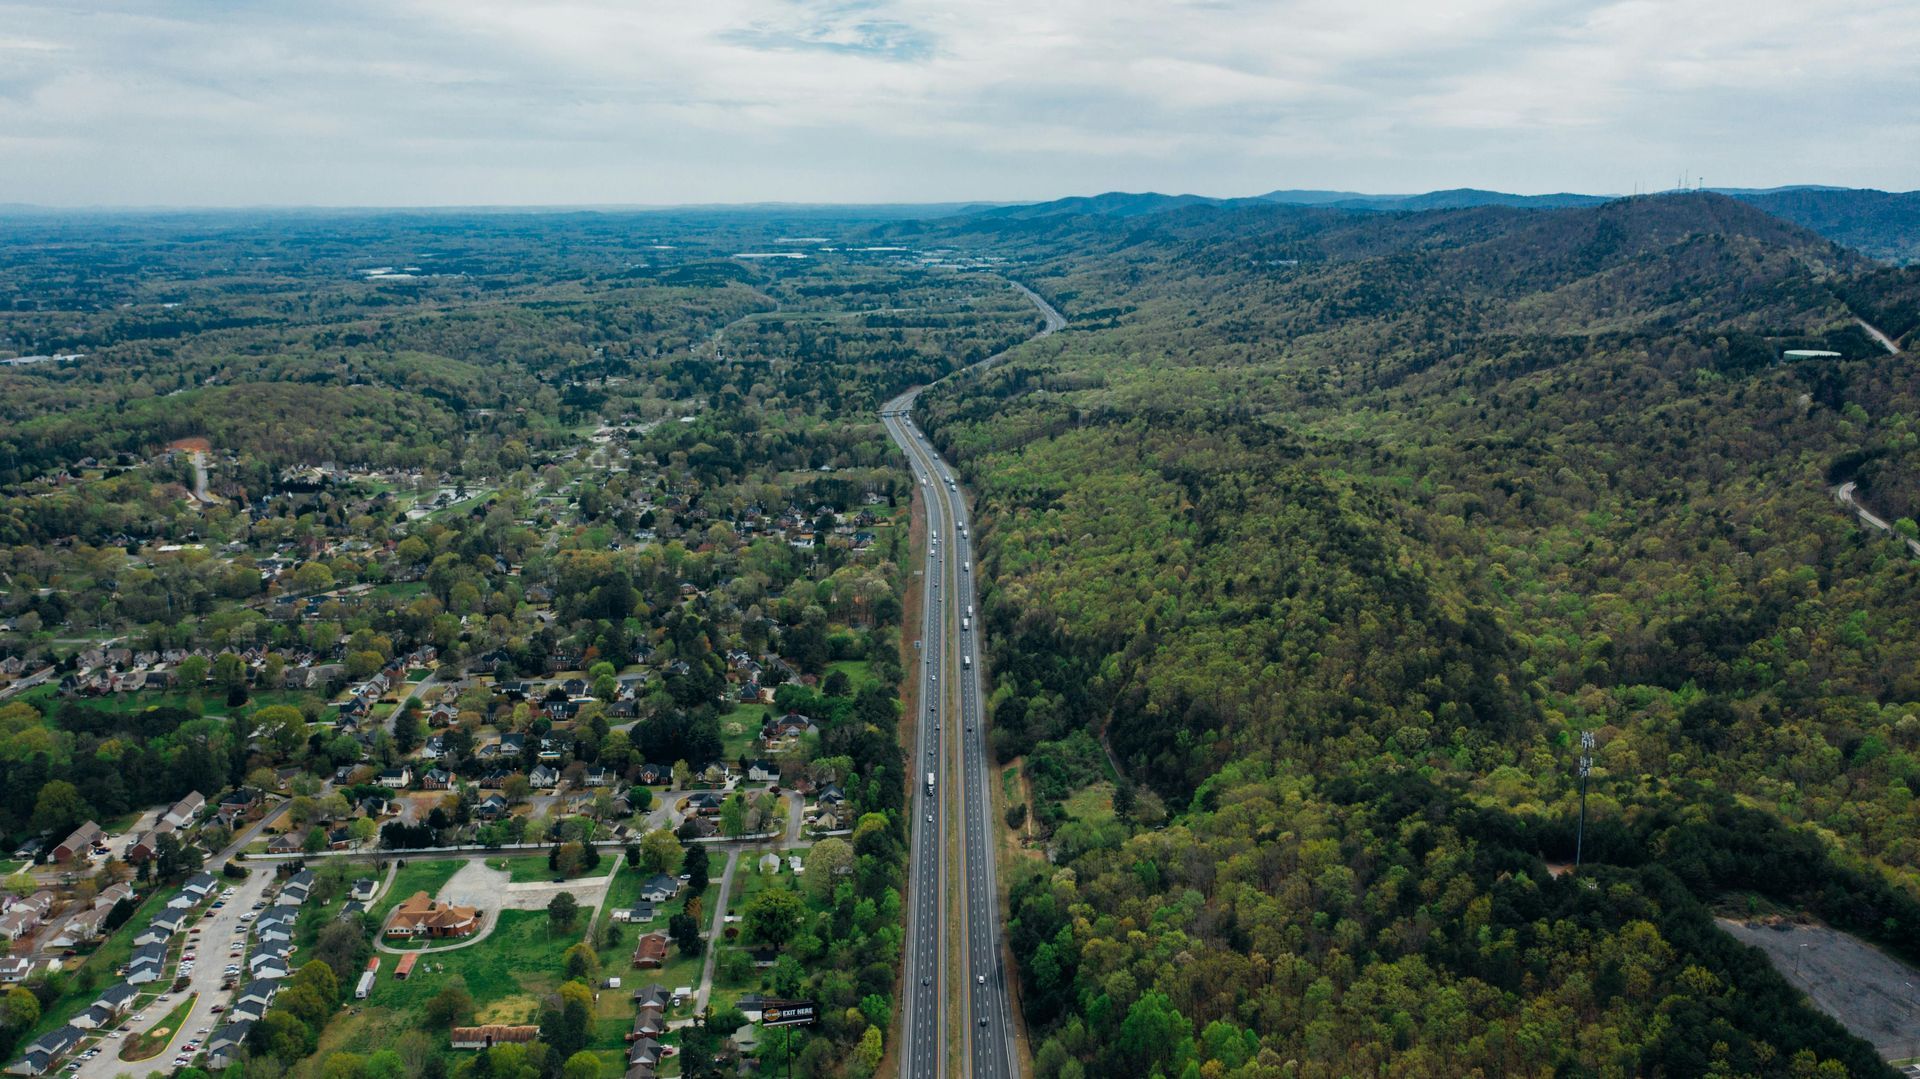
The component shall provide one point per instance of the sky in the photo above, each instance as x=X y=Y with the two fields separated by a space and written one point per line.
x=509 y=102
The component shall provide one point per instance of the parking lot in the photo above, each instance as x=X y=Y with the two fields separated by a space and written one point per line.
x=210 y=940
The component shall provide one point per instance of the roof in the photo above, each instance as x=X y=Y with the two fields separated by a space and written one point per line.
x=405 y=966
x=421 y=911
x=496 y=1032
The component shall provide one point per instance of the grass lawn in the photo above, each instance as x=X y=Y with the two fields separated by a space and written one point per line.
x=157 y=1037
x=507 y=974
x=858 y=671
x=1093 y=803
x=533 y=867
x=413 y=877
x=740 y=727
x=1010 y=783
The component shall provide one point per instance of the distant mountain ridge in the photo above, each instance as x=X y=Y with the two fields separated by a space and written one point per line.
x=1880 y=224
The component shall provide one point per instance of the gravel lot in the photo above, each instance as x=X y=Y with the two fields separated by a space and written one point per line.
x=1869 y=992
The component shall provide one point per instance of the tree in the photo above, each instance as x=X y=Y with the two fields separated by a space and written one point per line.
x=281 y=726
x=827 y=863
x=229 y=672
x=562 y=909
x=19 y=1011
x=733 y=815
x=313 y=577
x=450 y=1007
x=685 y=930
x=582 y=964
x=581 y=1065
x=659 y=852
x=59 y=809
x=515 y=788
x=682 y=775
x=772 y=916
x=693 y=863
x=192 y=671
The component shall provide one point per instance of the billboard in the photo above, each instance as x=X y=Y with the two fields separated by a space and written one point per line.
x=786 y=1013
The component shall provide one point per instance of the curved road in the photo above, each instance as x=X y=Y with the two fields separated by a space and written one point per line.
x=950 y=651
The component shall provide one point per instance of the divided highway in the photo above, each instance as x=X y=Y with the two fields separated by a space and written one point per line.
x=951 y=762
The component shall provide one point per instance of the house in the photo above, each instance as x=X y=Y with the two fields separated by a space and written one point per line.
x=168 y=922
x=80 y=843
x=705 y=803
x=645 y=1051
x=397 y=778
x=244 y=804
x=147 y=844
x=111 y=895
x=659 y=888
x=640 y=914
x=186 y=810
x=79 y=929
x=375 y=806
x=492 y=1034
x=224 y=1047
x=830 y=795
x=286 y=843
x=151 y=934
x=294 y=891
x=423 y=916
x=260 y=991
x=46 y=1051
x=18 y=923
x=651 y=951
x=648 y=1023
x=652 y=995
x=763 y=772
x=364 y=888
x=655 y=775
x=147 y=962
x=769 y=863
x=119 y=999
x=95 y=1016
x=543 y=777
x=597 y=776
x=275 y=926
x=764 y=957
x=437 y=779
x=15 y=968
x=268 y=964
x=493 y=807
x=200 y=886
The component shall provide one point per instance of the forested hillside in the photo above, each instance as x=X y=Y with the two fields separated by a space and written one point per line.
x=1336 y=529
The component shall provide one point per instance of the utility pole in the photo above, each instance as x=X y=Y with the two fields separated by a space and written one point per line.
x=1586 y=767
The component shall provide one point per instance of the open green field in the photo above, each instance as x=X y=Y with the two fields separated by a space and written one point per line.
x=739 y=728
x=508 y=973
x=1093 y=804
x=858 y=671
x=413 y=877
x=532 y=867
x=206 y=701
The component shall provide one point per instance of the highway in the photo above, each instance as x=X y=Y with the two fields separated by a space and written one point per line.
x=955 y=753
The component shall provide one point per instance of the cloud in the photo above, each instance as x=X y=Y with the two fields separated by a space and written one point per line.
x=453 y=101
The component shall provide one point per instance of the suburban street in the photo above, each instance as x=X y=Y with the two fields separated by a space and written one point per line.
x=951 y=656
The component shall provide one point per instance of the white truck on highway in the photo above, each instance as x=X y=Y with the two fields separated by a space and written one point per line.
x=929 y=782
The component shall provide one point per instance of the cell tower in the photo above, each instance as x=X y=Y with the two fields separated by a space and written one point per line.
x=1586 y=768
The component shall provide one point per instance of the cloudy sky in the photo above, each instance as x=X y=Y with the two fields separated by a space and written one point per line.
x=449 y=102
